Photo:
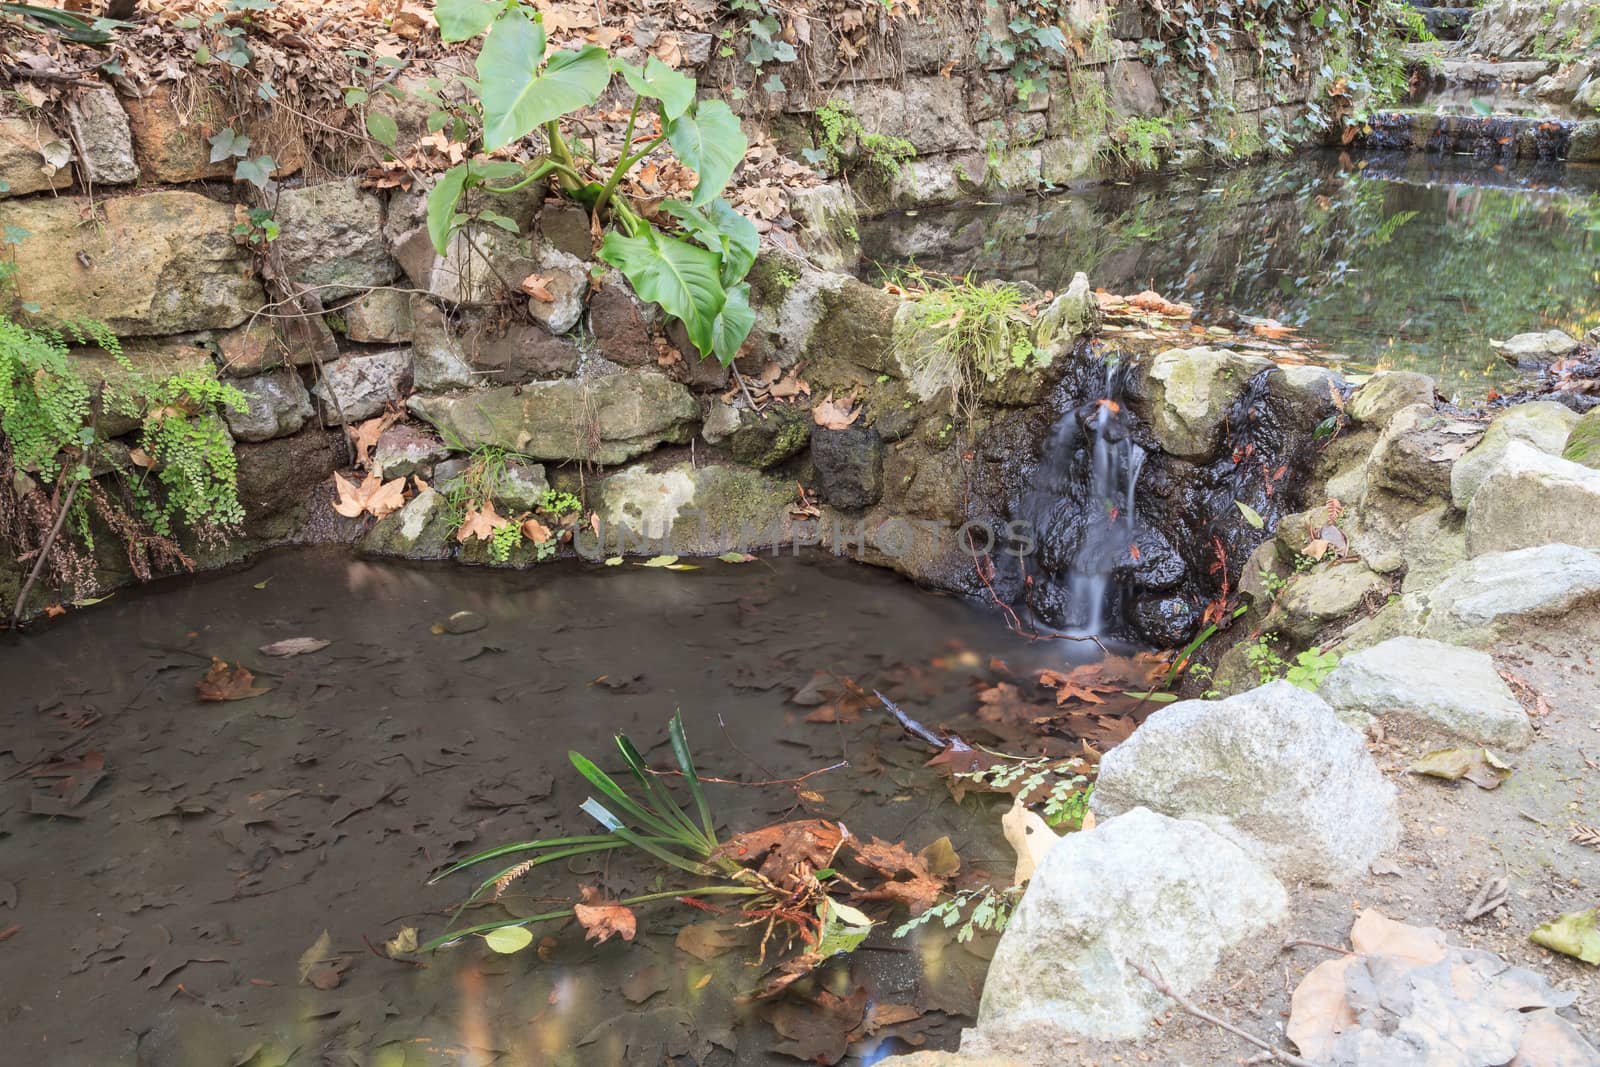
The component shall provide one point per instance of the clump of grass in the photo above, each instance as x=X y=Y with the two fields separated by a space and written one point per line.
x=958 y=332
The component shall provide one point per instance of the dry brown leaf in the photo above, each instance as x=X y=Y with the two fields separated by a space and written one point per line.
x=538 y=287
x=373 y=496
x=602 y=918
x=365 y=436
x=223 y=682
x=140 y=458
x=833 y=414
x=480 y=522
x=535 y=531
x=1375 y=934
x=1320 y=1011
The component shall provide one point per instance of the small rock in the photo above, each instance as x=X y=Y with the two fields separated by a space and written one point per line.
x=464 y=622
x=722 y=419
x=1531 y=498
x=1075 y=311
x=1273 y=768
x=1166 y=893
x=1432 y=686
x=381 y=316
x=1413 y=458
x=279 y=406
x=405 y=448
x=100 y=126
x=420 y=530
x=1535 y=349
x=438 y=363
x=566 y=280
x=331 y=237
x=565 y=225
x=849 y=465
x=521 y=487
x=1386 y=393
x=1542 y=424
x=766 y=440
x=621 y=324
x=1322 y=596
x=364 y=384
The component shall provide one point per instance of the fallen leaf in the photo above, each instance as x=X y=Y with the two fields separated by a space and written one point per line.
x=1477 y=765
x=602 y=918
x=535 y=531
x=402 y=944
x=706 y=941
x=480 y=522
x=1320 y=1009
x=321 y=949
x=1030 y=836
x=373 y=496
x=295 y=646
x=223 y=682
x=1375 y=934
x=538 y=287
x=508 y=939
x=1576 y=934
x=833 y=414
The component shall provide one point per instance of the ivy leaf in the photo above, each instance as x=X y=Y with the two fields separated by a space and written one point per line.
x=442 y=201
x=257 y=171
x=227 y=144
x=384 y=129
x=660 y=82
x=684 y=279
x=723 y=230
x=517 y=98
x=708 y=140
x=461 y=20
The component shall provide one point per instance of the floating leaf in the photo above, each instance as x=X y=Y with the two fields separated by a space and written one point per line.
x=223 y=682
x=613 y=561
x=402 y=944
x=1576 y=934
x=1154 y=698
x=602 y=918
x=737 y=557
x=295 y=646
x=659 y=561
x=508 y=939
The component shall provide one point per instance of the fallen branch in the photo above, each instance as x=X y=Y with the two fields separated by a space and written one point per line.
x=1153 y=976
x=1287 y=945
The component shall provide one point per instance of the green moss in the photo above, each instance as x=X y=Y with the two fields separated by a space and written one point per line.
x=1583 y=443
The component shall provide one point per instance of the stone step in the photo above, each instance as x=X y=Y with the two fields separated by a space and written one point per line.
x=1492 y=138
x=1490 y=72
x=1446 y=23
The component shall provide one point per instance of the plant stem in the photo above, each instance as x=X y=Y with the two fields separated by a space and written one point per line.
x=61 y=520
x=562 y=155
x=622 y=164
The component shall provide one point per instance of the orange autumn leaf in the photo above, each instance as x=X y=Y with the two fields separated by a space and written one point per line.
x=480 y=522
x=373 y=496
x=223 y=682
x=535 y=531
x=538 y=287
x=833 y=414
x=602 y=918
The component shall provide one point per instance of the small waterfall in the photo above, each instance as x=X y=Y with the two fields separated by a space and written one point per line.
x=1082 y=507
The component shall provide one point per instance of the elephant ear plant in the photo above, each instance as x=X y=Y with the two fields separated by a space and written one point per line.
x=698 y=277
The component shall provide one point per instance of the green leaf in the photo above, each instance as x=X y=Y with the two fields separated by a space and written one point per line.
x=356 y=97
x=1154 y=698
x=680 y=750
x=733 y=324
x=508 y=939
x=660 y=82
x=843 y=928
x=1576 y=934
x=709 y=140
x=1481 y=107
x=258 y=171
x=723 y=230
x=226 y=144
x=442 y=201
x=384 y=130
x=517 y=97
x=1251 y=515
x=683 y=278
x=659 y=561
x=461 y=20
x=613 y=561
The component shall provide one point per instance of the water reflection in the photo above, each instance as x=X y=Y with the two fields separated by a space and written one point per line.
x=1403 y=261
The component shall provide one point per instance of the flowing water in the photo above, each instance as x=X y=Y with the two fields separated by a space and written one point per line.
x=1405 y=261
x=194 y=851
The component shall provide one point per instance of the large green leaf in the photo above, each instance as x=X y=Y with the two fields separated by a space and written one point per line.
x=733 y=324
x=442 y=201
x=660 y=82
x=710 y=141
x=461 y=20
x=720 y=228
x=517 y=97
x=684 y=279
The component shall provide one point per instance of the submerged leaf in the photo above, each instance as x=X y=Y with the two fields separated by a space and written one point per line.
x=508 y=939
x=223 y=682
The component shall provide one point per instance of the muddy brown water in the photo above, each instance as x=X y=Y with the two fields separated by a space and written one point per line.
x=160 y=917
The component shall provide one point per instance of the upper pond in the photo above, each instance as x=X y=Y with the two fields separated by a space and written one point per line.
x=1411 y=262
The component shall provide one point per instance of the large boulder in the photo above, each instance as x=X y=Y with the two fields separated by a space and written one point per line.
x=277 y=479
x=505 y=353
x=1534 y=349
x=602 y=420
x=1483 y=601
x=1273 y=768
x=1543 y=424
x=1140 y=888
x=33 y=158
x=278 y=406
x=1191 y=391
x=1532 y=498
x=1430 y=687
x=1583 y=443
x=420 y=530
x=158 y=263
x=331 y=238
x=361 y=386
x=1412 y=461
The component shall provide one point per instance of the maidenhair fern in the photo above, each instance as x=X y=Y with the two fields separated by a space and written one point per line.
x=192 y=454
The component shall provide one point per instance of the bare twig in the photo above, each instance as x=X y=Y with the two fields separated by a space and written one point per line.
x=748 y=399
x=1287 y=945
x=1153 y=976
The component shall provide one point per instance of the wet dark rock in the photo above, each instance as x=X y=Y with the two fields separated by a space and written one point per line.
x=510 y=353
x=765 y=440
x=278 y=478
x=464 y=622
x=1165 y=621
x=1158 y=566
x=849 y=466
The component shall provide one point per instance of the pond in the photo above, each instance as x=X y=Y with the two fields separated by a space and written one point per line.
x=1402 y=261
x=168 y=862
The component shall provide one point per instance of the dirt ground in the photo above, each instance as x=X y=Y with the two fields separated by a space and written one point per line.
x=1455 y=836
